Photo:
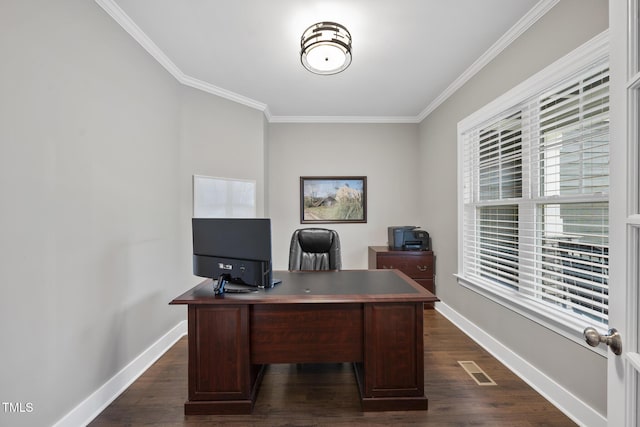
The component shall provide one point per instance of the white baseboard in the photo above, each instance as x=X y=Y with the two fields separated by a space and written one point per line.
x=569 y=404
x=93 y=405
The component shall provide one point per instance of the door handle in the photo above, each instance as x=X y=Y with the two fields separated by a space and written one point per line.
x=612 y=339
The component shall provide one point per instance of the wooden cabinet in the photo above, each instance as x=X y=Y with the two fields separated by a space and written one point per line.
x=419 y=265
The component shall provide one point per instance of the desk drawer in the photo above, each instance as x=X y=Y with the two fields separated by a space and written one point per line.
x=307 y=333
x=416 y=267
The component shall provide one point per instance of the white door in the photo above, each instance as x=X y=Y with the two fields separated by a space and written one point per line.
x=624 y=219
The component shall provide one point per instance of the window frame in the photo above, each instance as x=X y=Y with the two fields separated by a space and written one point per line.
x=592 y=52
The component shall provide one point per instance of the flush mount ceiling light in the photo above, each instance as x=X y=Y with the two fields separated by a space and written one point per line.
x=325 y=48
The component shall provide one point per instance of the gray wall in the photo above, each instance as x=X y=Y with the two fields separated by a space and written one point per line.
x=569 y=24
x=88 y=231
x=217 y=138
x=387 y=154
x=98 y=144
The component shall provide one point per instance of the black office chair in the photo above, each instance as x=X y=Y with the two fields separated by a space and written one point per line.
x=315 y=249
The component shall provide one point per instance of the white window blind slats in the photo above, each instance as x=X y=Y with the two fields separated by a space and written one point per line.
x=589 y=100
x=567 y=113
x=495 y=261
x=574 y=258
x=508 y=151
x=596 y=77
x=596 y=136
x=595 y=142
x=500 y=158
x=571 y=279
x=574 y=139
x=594 y=130
x=579 y=299
x=522 y=171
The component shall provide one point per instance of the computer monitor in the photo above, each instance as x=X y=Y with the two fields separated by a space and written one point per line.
x=237 y=250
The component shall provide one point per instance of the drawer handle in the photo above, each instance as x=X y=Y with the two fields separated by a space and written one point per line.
x=422 y=267
x=388 y=268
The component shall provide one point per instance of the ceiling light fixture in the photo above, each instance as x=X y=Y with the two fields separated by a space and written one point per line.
x=325 y=48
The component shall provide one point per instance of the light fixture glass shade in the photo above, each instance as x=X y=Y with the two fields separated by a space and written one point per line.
x=325 y=48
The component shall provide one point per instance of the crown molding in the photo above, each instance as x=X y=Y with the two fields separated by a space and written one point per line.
x=537 y=12
x=232 y=96
x=342 y=119
x=109 y=6
x=134 y=31
x=132 y=28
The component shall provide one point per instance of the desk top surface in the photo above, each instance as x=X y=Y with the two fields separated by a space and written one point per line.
x=345 y=286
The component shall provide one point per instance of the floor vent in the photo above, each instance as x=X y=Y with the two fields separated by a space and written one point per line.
x=476 y=373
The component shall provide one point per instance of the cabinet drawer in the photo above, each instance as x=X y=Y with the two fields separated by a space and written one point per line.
x=416 y=267
x=427 y=284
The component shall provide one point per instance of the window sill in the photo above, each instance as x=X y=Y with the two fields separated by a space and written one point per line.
x=566 y=326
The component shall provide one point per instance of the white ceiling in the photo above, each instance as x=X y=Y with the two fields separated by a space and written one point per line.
x=407 y=54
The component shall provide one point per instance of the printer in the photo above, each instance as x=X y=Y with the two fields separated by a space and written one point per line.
x=408 y=238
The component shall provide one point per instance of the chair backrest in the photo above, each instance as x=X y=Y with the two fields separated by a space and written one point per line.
x=315 y=249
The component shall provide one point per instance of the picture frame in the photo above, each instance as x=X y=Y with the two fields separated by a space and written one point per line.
x=333 y=199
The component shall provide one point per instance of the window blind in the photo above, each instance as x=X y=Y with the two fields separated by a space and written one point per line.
x=535 y=197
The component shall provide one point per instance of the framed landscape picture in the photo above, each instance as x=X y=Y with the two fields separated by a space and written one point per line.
x=326 y=199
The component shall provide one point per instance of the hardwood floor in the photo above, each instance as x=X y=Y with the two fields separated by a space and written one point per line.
x=327 y=395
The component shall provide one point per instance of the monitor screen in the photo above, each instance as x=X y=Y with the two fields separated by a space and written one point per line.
x=239 y=248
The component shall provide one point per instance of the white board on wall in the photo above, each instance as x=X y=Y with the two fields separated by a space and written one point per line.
x=215 y=197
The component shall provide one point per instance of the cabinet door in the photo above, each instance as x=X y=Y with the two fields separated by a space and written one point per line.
x=394 y=355
x=219 y=353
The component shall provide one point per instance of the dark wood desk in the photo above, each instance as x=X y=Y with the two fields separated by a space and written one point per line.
x=373 y=318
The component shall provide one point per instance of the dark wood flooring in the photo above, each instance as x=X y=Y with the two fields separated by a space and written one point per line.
x=327 y=395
